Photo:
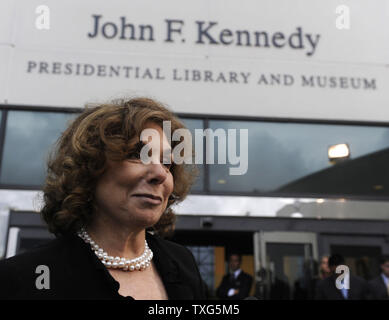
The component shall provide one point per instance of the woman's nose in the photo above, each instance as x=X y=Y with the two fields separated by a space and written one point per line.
x=157 y=173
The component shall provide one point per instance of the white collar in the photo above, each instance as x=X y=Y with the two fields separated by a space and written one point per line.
x=385 y=278
x=237 y=272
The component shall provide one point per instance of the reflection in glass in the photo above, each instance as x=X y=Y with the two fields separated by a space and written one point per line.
x=293 y=158
x=193 y=124
x=290 y=275
x=28 y=138
x=204 y=257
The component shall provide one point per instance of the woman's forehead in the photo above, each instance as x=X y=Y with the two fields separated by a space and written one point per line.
x=156 y=137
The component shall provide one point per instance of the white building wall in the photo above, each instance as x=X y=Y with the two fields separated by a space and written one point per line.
x=360 y=52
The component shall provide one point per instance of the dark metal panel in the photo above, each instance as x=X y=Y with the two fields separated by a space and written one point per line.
x=2 y=133
x=252 y=224
x=327 y=240
x=19 y=187
x=25 y=219
x=212 y=116
x=35 y=233
x=330 y=226
x=276 y=119
x=40 y=108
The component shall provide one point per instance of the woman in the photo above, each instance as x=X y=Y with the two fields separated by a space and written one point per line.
x=101 y=201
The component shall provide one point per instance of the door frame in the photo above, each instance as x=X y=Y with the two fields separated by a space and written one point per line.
x=296 y=237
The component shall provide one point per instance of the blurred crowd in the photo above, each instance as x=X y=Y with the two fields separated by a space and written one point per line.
x=336 y=281
x=332 y=279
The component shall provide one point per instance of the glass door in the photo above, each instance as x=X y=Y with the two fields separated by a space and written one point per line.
x=285 y=264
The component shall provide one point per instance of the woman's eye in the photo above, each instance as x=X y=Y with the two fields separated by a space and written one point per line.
x=167 y=162
x=168 y=166
x=135 y=154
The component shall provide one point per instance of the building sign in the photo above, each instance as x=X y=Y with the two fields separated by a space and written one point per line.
x=206 y=33
x=273 y=58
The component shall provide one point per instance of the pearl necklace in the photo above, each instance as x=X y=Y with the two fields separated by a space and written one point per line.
x=140 y=263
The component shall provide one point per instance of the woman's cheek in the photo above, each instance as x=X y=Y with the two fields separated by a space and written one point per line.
x=171 y=184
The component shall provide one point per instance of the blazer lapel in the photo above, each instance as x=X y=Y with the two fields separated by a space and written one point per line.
x=384 y=289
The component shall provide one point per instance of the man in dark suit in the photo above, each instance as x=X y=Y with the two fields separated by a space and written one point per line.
x=379 y=287
x=236 y=284
x=326 y=289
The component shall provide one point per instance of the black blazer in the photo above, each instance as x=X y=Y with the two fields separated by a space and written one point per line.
x=243 y=283
x=77 y=273
x=326 y=289
x=378 y=290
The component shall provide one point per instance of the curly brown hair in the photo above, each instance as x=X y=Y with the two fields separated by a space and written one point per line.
x=107 y=131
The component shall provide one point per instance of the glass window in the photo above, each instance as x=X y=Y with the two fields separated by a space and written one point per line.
x=292 y=158
x=29 y=136
x=1 y=129
x=193 y=124
x=205 y=257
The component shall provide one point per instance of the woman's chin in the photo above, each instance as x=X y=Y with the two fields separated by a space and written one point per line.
x=148 y=218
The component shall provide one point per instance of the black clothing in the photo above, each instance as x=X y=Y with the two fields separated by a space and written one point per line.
x=304 y=288
x=326 y=289
x=242 y=283
x=280 y=289
x=378 y=290
x=77 y=273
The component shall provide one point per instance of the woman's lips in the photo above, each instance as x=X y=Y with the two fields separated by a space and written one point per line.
x=149 y=198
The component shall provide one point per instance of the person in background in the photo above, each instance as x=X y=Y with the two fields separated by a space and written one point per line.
x=304 y=287
x=236 y=284
x=324 y=270
x=261 y=290
x=326 y=289
x=379 y=286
